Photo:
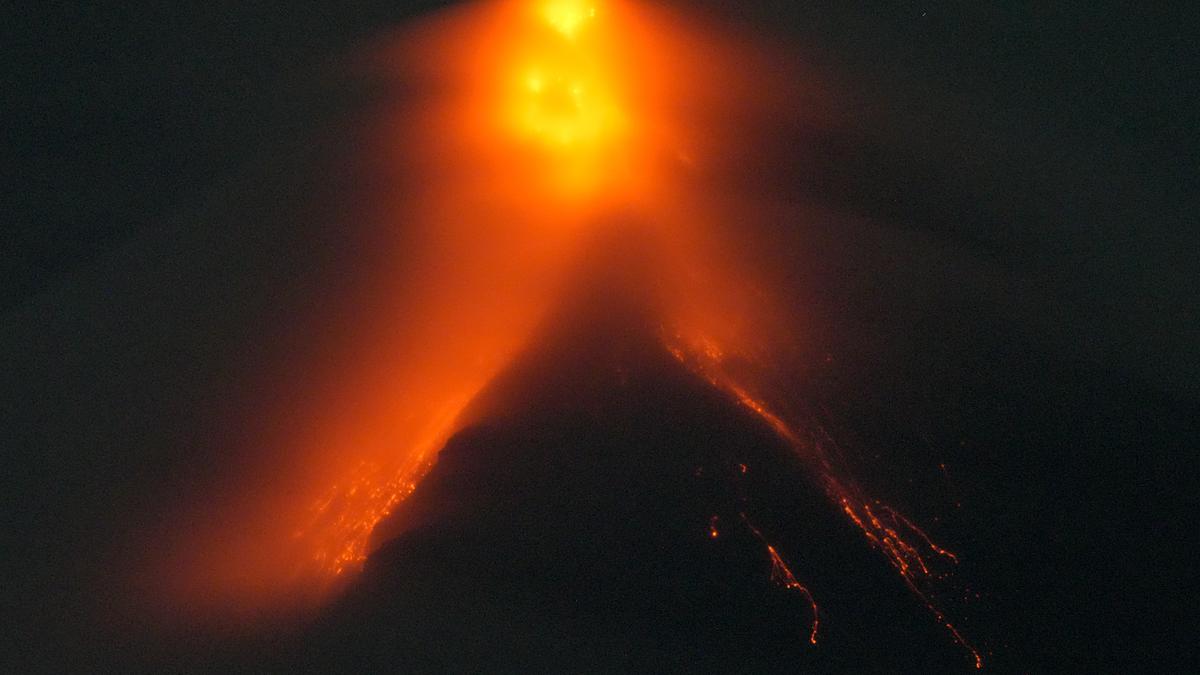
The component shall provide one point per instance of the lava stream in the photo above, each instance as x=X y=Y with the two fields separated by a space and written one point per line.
x=905 y=545
x=782 y=575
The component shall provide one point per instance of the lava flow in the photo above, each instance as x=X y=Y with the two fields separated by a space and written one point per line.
x=782 y=575
x=529 y=127
x=906 y=546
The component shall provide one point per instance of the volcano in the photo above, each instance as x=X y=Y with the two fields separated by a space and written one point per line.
x=625 y=516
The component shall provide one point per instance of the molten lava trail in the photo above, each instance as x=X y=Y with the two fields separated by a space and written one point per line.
x=782 y=575
x=907 y=547
x=535 y=125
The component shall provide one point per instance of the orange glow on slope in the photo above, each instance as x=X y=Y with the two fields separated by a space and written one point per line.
x=534 y=125
x=344 y=518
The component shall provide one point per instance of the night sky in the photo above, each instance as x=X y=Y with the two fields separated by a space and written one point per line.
x=1021 y=295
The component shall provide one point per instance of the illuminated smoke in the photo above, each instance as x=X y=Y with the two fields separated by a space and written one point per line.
x=528 y=127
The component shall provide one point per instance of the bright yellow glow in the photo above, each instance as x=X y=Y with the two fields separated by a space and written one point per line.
x=566 y=109
x=568 y=16
x=565 y=100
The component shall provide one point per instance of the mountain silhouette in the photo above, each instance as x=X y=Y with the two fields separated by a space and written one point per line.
x=571 y=528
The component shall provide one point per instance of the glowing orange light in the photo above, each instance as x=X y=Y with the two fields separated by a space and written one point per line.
x=568 y=16
x=540 y=115
x=564 y=100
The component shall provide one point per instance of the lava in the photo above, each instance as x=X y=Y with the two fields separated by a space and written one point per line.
x=782 y=575
x=905 y=545
x=535 y=125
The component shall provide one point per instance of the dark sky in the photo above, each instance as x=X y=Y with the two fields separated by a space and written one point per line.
x=1056 y=139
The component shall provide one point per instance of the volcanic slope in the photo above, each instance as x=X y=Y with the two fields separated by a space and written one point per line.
x=609 y=510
